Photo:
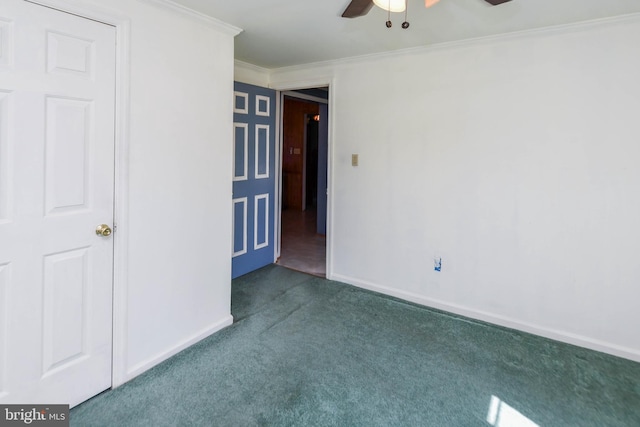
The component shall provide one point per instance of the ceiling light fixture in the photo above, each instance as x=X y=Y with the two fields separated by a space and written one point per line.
x=402 y=6
x=391 y=5
x=395 y=6
x=358 y=8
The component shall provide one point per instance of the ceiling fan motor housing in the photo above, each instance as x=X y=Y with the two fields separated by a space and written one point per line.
x=358 y=8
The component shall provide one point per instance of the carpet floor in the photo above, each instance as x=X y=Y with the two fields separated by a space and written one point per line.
x=305 y=351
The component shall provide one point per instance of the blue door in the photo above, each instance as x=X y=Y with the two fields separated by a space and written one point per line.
x=253 y=178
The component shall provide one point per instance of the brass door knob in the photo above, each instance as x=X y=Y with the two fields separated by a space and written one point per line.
x=103 y=230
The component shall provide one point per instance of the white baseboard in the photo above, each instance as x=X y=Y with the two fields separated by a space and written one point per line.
x=557 y=335
x=161 y=357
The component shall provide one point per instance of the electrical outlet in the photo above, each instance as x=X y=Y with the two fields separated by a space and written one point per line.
x=354 y=160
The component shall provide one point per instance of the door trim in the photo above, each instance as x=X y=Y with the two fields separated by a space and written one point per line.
x=122 y=24
x=282 y=88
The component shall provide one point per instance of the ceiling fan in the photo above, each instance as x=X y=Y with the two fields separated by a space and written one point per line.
x=361 y=7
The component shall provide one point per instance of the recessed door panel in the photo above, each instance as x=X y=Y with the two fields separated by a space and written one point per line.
x=241 y=151
x=6 y=160
x=263 y=152
x=261 y=222
x=6 y=42
x=5 y=270
x=263 y=106
x=67 y=54
x=68 y=124
x=240 y=225
x=240 y=102
x=65 y=308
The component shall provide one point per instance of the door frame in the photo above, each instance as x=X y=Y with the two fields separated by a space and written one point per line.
x=284 y=88
x=122 y=25
x=305 y=153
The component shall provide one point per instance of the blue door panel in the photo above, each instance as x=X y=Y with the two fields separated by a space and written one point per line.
x=240 y=231
x=240 y=151
x=261 y=211
x=253 y=178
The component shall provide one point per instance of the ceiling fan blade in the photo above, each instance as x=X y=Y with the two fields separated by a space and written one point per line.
x=357 y=8
x=429 y=3
x=496 y=2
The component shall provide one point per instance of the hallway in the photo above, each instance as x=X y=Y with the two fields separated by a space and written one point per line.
x=303 y=249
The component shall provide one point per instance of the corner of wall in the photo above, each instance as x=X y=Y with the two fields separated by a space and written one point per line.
x=156 y=359
x=251 y=74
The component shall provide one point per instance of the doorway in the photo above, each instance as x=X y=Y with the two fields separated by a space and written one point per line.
x=304 y=181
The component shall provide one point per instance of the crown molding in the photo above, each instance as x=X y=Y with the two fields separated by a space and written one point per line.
x=251 y=74
x=251 y=67
x=555 y=29
x=195 y=15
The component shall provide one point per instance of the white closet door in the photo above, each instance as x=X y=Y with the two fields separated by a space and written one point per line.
x=57 y=99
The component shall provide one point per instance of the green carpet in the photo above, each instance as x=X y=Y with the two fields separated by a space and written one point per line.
x=304 y=351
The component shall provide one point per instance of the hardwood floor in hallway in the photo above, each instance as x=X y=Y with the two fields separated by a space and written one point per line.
x=302 y=249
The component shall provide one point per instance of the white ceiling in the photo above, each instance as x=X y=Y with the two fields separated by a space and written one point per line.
x=279 y=33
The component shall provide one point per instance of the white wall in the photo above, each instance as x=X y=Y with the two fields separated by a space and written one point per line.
x=179 y=223
x=515 y=159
